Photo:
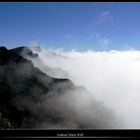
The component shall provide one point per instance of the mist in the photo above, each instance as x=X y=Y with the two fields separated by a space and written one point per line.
x=111 y=77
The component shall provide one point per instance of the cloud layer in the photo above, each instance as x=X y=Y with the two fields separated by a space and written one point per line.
x=112 y=77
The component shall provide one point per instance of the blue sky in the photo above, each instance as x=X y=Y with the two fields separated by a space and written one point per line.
x=71 y=25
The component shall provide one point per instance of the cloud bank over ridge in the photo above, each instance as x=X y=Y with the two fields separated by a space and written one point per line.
x=111 y=77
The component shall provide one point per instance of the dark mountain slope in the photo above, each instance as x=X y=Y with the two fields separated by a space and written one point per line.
x=21 y=81
x=24 y=50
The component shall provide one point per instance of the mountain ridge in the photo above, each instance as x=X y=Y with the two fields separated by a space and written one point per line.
x=20 y=79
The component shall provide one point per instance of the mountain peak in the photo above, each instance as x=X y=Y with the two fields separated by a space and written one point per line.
x=2 y=48
x=23 y=51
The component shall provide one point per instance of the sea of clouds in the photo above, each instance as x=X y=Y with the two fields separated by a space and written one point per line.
x=111 y=77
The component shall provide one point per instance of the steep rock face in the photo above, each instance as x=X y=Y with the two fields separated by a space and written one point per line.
x=22 y=84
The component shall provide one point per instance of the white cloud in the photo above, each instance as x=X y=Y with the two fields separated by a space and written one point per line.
x=105 y=13
x=102 y=17
x=112 y=77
